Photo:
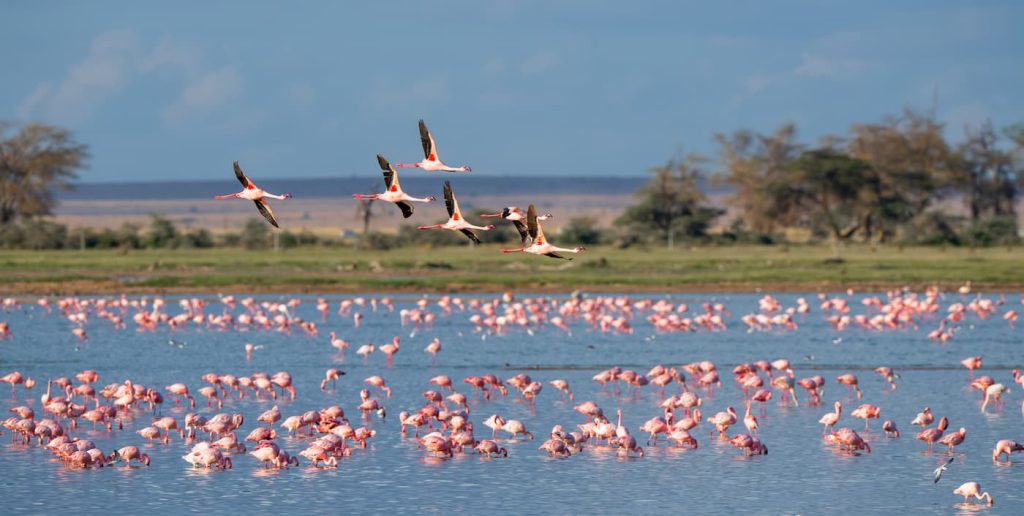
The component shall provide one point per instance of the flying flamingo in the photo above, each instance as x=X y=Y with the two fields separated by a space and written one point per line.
x=255 y=194
x=518 y=219
x=455 y=220
x=394 y=193
x=431 y=161
x=538 y=244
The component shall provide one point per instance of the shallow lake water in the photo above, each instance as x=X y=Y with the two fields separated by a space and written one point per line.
x=801 y=474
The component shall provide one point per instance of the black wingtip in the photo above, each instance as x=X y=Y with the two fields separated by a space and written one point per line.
x=383 y=162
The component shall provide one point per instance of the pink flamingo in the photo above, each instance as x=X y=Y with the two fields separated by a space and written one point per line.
x=251 y=192
x=331 y=375
x=456 y=222
x=931 y=435
x=969 y=489
x=338 y=344
x=391 y=349
x=924 y=418
x=830 y=419
x=378 y=382
x=539 y=245
x=431 y=161
x=849 y=381
x=866 y=412
x=954 y=439
x=433 y=348
x=518 y=219
x=1006 y=446
x=393 y=191
x=972 y=363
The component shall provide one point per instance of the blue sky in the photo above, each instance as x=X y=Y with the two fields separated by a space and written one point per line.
x=181 y=89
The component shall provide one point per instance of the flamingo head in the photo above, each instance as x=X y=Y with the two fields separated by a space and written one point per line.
x=489 y=227
x=431 y=198
x=287 y=196
x=580 y=249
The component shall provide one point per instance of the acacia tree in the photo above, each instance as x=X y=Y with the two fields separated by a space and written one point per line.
x=825 y=189
x=35 y=160
x=909 y=162
x=751 y=161
x=670 y=203
x=987 y=174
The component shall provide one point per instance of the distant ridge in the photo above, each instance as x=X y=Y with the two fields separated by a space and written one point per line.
x=464 y=184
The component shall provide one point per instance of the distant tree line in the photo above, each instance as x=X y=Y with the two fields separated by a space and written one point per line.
x=896 y=181
x=900 y=180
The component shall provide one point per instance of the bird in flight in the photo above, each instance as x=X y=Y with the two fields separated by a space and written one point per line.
x=255 y=194
x=538 y=244
x=431 y=162
x=518 y=219
x=393 y=191
x=456 y=222
x=939 y=470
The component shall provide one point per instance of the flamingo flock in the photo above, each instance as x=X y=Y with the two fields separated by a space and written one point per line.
x=527 y=224
x=207 y=414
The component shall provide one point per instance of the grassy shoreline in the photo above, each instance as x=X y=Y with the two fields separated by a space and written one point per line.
x=462 y=269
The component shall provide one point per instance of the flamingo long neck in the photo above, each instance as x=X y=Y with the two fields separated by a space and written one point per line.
x=272 y=196
x=416 y=199
x=565 y=250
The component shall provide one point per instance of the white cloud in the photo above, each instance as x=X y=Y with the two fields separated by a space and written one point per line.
x=814 y=65
x=105 y=70
x=205 y=93
x=538 y=63
x=169 y=54
x=115 y=60
x=34 y=99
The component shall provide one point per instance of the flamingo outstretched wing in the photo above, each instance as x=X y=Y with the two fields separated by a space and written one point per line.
x=242 y=177
x=536 y=231
x=472 y=236
x=429 y=147
x=450 y=202
x=390 y=175
x=266 y=211
x=524 y=233
x=406 y=208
